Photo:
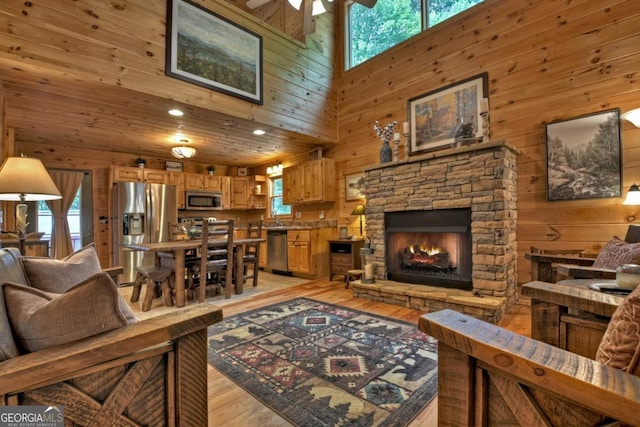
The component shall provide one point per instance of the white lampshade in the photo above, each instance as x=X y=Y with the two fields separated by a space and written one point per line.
x=183 y=152
x=318 y=8
x=633 y=116
x=26 y=179
x=633 y=196
x=296 y=3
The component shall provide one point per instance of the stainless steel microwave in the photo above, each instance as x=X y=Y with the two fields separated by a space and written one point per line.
x=203 y=200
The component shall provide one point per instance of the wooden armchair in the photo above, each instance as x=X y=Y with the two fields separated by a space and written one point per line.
x=490 y=376
x=552 y=266
x=153 y=372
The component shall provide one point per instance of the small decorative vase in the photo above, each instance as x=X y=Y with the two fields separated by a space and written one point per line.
x=141 y=165
x=385 y=152
x=210 y=173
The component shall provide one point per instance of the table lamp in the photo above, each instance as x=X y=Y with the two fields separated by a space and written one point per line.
x=24 y=179
x=359 y=210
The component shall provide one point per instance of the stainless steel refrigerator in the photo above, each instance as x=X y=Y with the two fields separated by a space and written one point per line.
x=141 y=214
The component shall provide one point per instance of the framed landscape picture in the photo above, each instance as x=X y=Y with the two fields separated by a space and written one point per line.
x=208 y=50
x=584 y=157
x=435 y=117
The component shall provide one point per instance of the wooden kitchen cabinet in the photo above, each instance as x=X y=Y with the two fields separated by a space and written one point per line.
x=307 y=253
x=198 y=181
x=244 y=194
x=262 y=262
x=178 y=179
x=344 y=255
x=309 y=182
x=240 y=192
x=225 y=185
x=136 y=174
x=299 y=251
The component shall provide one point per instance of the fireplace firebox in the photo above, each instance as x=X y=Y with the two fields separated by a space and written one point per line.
x=429 y=247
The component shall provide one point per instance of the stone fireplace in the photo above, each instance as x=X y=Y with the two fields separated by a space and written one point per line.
x=478 y=182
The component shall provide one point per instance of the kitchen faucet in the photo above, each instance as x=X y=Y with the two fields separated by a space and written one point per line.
x=275 y=216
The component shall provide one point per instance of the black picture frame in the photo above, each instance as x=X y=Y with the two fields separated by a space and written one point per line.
x=584 y=157
x=435 y=116
x=208 y=50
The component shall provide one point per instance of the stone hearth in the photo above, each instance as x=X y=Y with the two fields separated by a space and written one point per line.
x=481 y=177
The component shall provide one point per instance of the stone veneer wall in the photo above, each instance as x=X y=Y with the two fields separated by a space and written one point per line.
x=482 y=177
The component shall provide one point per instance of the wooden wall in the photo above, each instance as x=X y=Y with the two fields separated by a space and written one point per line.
x=546 y=60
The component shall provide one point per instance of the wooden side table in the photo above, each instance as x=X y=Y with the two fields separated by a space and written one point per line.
x=569 y=315
x=344 y=255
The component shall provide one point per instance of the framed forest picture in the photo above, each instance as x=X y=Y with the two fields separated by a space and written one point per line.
x=584 y=157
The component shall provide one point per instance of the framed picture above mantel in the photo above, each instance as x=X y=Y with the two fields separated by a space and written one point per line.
x=584 y=157
x=436 y=117
x=208 y=50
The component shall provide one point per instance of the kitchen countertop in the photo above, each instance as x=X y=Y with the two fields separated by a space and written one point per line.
x=301 y=225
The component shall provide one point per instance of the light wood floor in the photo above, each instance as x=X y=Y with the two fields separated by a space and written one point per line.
x=230 y=405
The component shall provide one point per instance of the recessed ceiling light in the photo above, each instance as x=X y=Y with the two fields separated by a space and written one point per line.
x=259 y=132
x=176 y=112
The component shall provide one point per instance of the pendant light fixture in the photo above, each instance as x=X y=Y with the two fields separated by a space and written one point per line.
x=182 y=151
x=295 y=3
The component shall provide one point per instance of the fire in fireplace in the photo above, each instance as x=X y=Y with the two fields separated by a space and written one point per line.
x=431 y=247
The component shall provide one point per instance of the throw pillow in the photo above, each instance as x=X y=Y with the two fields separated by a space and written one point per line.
x=617 y=252
x=620 y=345
x=53 y=275
x=42 y=319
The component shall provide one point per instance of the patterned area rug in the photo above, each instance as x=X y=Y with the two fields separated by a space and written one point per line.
x=318 y=364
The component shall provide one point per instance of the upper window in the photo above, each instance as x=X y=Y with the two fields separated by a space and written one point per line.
x=277 y=207
x=371 y=31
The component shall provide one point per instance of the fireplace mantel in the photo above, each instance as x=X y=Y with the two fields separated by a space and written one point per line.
x=490 y=145
x=482 y=177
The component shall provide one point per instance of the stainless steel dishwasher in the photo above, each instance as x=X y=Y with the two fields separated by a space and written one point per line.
x=277 y=250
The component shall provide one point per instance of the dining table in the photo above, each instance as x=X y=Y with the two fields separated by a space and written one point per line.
x=179 y=249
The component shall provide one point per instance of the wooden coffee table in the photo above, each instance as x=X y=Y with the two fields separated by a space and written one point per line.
x=569 y=314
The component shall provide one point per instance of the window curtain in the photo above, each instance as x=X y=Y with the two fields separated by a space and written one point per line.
x=68 y=182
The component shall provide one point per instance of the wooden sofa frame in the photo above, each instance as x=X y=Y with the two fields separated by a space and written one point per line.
x=153 y=372
x=489 y=376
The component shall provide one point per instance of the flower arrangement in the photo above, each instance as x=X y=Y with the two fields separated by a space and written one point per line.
x=385 y=134
x=141 y=162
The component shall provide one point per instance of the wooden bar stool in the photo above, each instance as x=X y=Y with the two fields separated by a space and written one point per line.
x=352 y=275
x=159 y=280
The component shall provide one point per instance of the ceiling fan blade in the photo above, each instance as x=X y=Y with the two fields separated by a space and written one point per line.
x=252 y=4
x=367 y=3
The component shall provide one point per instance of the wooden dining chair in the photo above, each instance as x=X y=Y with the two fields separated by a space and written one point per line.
x=251 y=257
x=215 y=268
x=177 y=232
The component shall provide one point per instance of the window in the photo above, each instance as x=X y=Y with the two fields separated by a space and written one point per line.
x=277 y=207
x=45 y=221
x=373 y=30
x=79 y=217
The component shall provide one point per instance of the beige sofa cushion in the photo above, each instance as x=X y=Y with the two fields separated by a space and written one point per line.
x=42 y=319
x=620 y=345
x=52 y=275
x=10 y=271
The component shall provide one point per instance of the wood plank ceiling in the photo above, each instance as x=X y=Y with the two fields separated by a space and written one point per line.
x=44 y=108
x=67 y=108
